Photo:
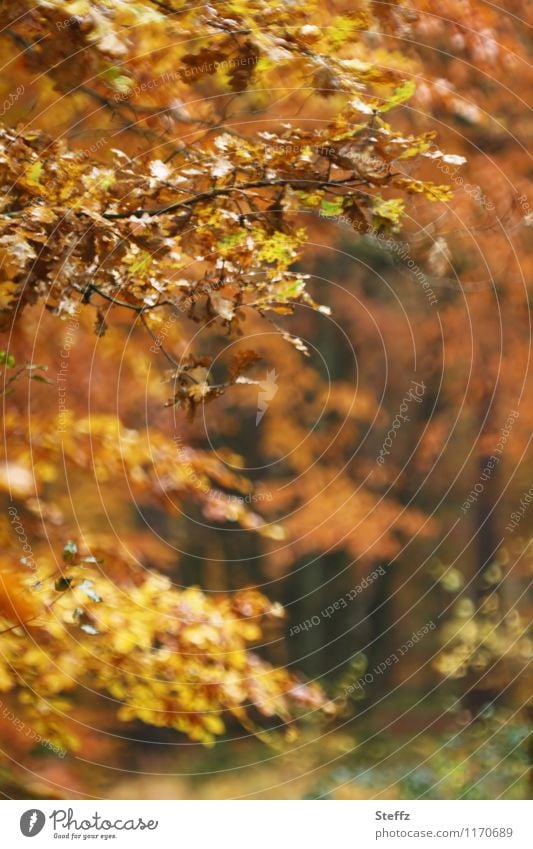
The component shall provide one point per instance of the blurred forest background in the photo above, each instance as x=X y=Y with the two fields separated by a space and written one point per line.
x=376 y=488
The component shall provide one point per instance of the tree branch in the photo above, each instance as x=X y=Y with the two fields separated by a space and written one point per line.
x=226 y=190
x=92 y=287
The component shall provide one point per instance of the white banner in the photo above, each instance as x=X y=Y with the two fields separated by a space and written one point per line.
x=267 y=824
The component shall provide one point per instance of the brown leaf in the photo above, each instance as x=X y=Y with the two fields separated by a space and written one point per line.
x=355 y=214
x=242 y=361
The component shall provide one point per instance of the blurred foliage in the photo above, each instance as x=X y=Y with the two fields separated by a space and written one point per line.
x=486 y=759
x=180 y=178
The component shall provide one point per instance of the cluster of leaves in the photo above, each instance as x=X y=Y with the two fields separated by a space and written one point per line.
x=156 y=468
x=210 y=228
x=169 y=657
x=486 y=317
x=12 y=374
x=489 y=640
x=482 y=760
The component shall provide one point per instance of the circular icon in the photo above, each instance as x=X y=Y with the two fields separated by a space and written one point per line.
x=32 y=822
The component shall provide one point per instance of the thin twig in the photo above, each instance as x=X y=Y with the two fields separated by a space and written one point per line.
x=11 y=380
x=165 y=353
x=92 y=287
x=226 y=190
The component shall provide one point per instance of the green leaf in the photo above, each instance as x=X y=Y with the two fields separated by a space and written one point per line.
x=332 y=207
x=312 y=199
x=387 y=214
x=40 y=379
x=280 y=248
x=234 y=240
x=400 y=95
x=115 y=77
x=6 y=359
x=33 y=174
x=288 y=289
x=342 y=27
x=141 y=264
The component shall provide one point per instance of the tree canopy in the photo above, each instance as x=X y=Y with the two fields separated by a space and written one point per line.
x=170 y=172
